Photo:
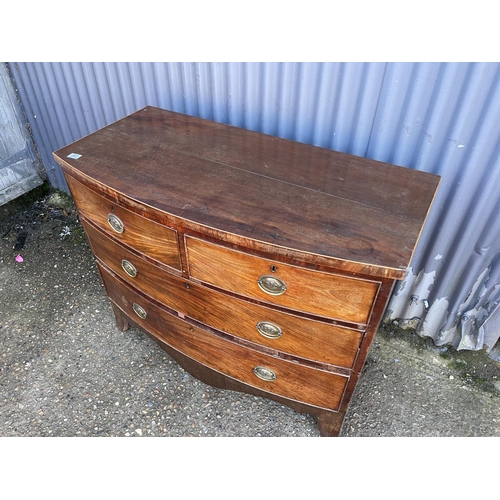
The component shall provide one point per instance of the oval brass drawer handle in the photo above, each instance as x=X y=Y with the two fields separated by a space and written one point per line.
x=129 y=268
x=264 y=373
x=271 y=285
x=139 y=311
x=115 y=223
x=269 y=330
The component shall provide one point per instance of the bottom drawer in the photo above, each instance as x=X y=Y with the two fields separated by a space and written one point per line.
x=284 y=378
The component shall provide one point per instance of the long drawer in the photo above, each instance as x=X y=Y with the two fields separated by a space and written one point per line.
x=276 y=376
x=303 y=337
x=146 y=236
x=323 y=294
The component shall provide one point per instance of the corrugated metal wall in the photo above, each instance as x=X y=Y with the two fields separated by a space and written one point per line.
x=437 y=117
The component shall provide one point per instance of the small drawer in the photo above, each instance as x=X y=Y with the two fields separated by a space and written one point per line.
x=140 y=273
x=280 y=331
x=144 y=235
x=276 y=376
x=319 y=293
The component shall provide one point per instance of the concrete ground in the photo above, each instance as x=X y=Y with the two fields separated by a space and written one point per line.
x=66 y=370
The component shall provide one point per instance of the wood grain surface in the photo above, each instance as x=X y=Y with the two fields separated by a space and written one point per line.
x=302 y=337
x=208 y=209
x=324 y=294
x=311 y=386
x=262 y=188
x=148 y=237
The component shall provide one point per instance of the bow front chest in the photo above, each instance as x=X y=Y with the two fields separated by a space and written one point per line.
x=259 y=264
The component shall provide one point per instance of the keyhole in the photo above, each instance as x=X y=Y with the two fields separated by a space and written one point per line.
x=273 y=269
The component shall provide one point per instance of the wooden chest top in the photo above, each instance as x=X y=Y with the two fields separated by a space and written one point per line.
x=364 y=214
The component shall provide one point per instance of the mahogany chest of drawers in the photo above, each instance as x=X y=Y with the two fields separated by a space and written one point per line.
x=259 y=264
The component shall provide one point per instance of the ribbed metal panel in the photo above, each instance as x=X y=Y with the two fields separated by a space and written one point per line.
x=449 y=124
x=437 y=117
